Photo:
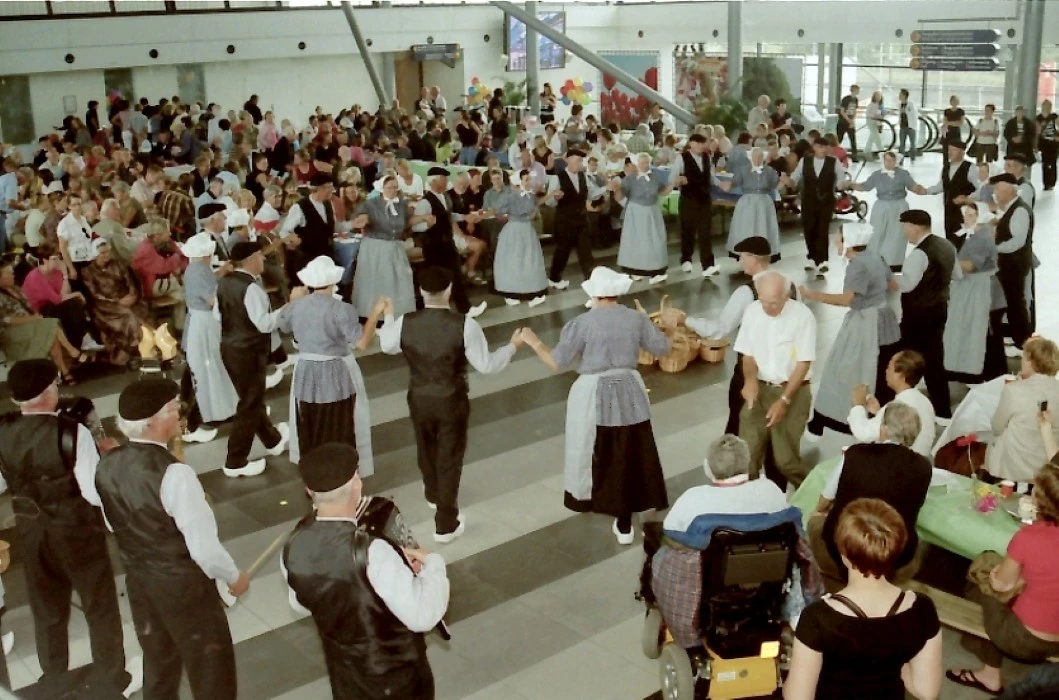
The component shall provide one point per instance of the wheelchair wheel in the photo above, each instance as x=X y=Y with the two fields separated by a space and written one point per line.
x=862 y=210
x=654 y=630
x=674 y=670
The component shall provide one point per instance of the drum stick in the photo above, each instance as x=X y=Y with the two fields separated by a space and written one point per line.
x=273 y=547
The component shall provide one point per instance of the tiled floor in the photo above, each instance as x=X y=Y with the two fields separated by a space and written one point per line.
x=542 y=598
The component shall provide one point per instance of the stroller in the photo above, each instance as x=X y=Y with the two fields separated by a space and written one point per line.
x=848 y=203
x=740 y=646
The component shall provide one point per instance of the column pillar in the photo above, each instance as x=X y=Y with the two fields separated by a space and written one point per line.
x=1030 y=54
x=821 y=77
x=834 y=83
x=533 y=64
x=735 y=48
x=1011 y=78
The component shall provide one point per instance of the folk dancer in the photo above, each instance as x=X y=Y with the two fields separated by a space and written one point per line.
x=642 y=251
x=819 y=176
x=891 y=184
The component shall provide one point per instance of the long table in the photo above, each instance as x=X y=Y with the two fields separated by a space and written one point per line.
x=947 y=519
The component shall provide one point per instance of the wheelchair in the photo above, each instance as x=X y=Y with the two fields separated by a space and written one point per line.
x=744 y=643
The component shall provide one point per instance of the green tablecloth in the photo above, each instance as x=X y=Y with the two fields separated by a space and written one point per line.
x=947 y=519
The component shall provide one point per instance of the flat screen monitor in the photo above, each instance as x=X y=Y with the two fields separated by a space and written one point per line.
x=551 y=54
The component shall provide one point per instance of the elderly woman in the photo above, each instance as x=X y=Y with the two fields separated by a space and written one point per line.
x=328 y=401
x=755 y=212
x=642 y=251
x=382 y=263
x=117 y=305
x=642 y=140
x=25 y=335
x=1028 y=629
x=891 y=184
x=867 y=338
x=873 y=639
x=158 y=263
x=206 y=380
x=612 y=463
x=972 y=347
x=1017 y=451
x=518 y=266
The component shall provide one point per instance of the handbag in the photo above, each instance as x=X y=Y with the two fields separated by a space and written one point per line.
x=978 y=575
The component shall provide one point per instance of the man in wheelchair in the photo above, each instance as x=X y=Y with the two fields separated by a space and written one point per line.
x=719 y=581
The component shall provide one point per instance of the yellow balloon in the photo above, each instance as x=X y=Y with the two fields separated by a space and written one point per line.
x=578 y=82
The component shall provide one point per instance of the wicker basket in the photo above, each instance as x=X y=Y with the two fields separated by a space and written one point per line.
x=680 y=350
x=692 y=344
x=645 y=358
x=712 y=350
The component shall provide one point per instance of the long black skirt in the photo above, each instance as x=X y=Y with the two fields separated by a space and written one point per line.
x=626 y=473
x=321 y=423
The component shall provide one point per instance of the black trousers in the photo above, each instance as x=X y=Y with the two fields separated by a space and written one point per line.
x=443 y=254
x=571 y=232
x=413 y=681
x=181 y=623
x=60 y=560
x=1013 y=282
x=247 y=370
x=695 y=218
x=187 y=395
x=816 y=226
x=73 y=317
x=440 y=424
x=924 y=331
x=843 y=129
x=1049 y=152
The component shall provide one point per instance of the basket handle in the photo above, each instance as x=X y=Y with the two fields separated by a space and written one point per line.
x=639 y=306
x=662 y=305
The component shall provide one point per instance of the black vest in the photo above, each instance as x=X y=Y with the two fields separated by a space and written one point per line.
x=317 y=233
x=958 y=186
x=933 y=289
x=572 y=204
x=1021 y=261
x=892 y=473
x=438 y=246
x=432 y=342
x=39 y=472
x=367 y=648
x=698 y=187
x=818 y=189
x=129 y=480
x=237 y=330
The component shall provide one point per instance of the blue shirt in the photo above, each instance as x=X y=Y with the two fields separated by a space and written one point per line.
x=8 y=191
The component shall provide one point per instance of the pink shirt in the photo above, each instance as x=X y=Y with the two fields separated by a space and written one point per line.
x=1033 y=547
x=41 y=290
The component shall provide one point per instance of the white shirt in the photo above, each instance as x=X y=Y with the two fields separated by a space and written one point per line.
x=915 y=266
x=86 y=459
x=422 y=208
x=865 y=428
x=410 y=189
x=778 y=343
x=296 y=217
x=818 y=166
x=677 y=168
x=475 y=346
x=972 y=176
x=1018 y=226
x=594 y=190
x=987 y=131
x=419 y=601
x=78 y=236
x=730 y=319
x=141 y=191
x=735 y=496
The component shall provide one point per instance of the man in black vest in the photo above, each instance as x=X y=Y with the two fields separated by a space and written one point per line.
x=1015 y=164
x=312 y=219
x=692 y=173
x=888 y=470
x=570 y=192
x=438 y=345
x=958 y=182
x=439 y=246
x=819 y=176
x=1015 y=261
x=924 y=284
x=48 y=461
x=167 y=537
x=214 y=218
x=247 y=325
x=371 y=601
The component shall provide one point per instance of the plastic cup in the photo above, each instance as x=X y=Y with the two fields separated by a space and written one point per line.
x=1007 y=488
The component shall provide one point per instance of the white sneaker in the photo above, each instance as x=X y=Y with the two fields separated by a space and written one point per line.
x=810 y=265
x=476 y=311
x=8 y=641
x=623 y=537
x=134 y=668
x=636 y=278
x=812 y=438
x=822 y=268
x=450 y=536
x=1012 y=351
x=251 y=469
x=589 y=304
x=537 y=301
x=200 y=435
x=512 y=302
x=90 y=345
x=711 y=271
x=289 y=362
x=943 y=422
x=658 y=279
x=432 y=506
x=1008 y=342
x=685 y=266
x=284 y=438
x=275 y=379
x=561 y=284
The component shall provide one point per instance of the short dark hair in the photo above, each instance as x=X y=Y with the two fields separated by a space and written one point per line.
x=697 y=138
x=780 y=101
x=872 y=536
x=910 y=365
x=744 y=137
x=991 y=106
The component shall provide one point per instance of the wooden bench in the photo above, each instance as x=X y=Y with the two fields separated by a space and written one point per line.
x=956 y=613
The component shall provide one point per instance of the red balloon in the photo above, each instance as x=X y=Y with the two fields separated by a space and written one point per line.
x=609 y=81
x=650 y=78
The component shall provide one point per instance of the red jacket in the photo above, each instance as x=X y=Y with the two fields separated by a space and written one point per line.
x=150 y=265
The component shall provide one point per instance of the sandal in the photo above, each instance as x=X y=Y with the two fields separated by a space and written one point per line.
x=82 y=358
x=966 y=677
x=68 y=379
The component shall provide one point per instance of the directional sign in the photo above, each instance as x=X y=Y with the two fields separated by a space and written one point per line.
x=955 y=36
x=956 y=50
x=954 y=64
x=446 y=53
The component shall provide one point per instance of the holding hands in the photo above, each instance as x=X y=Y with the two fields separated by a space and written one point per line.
x=299 y=293
x=919 y=189
x=383 y=306
x=529 y=337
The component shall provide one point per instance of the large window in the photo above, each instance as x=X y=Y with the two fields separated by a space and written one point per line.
x=16 y=111
x=551 y=54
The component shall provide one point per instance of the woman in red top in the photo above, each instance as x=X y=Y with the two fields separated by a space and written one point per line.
x=1029 y=630
x=303 y=168
x=48 y=293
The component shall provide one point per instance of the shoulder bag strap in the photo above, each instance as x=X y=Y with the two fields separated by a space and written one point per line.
x=897 y=604
x=854 y=608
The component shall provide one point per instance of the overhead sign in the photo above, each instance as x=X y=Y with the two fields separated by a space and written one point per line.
x=956 y=50
x=954 y=64
x=955 y=36
x=446 y=53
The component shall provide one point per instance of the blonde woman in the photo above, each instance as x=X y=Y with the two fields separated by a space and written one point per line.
x=874 y=114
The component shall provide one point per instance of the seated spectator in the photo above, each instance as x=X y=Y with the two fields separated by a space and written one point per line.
x=176 y=206
x=25 y=335
x=887 y=470
x=132 y=213
x=641 y=141
x=117 y=305
x=872 y=640
x=49 y=294
x=1028 y=629
x=409 y=183
x=122 y=241
x=902 y=375
x=731 y=492
x=158 y=263
x=75 y=239
x=1017 y=451
x=147 y=187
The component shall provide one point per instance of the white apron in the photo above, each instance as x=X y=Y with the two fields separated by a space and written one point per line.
x=361 y=414
x=214 y=391
x=581 y=420
x=853 y=360
x=967 y=327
